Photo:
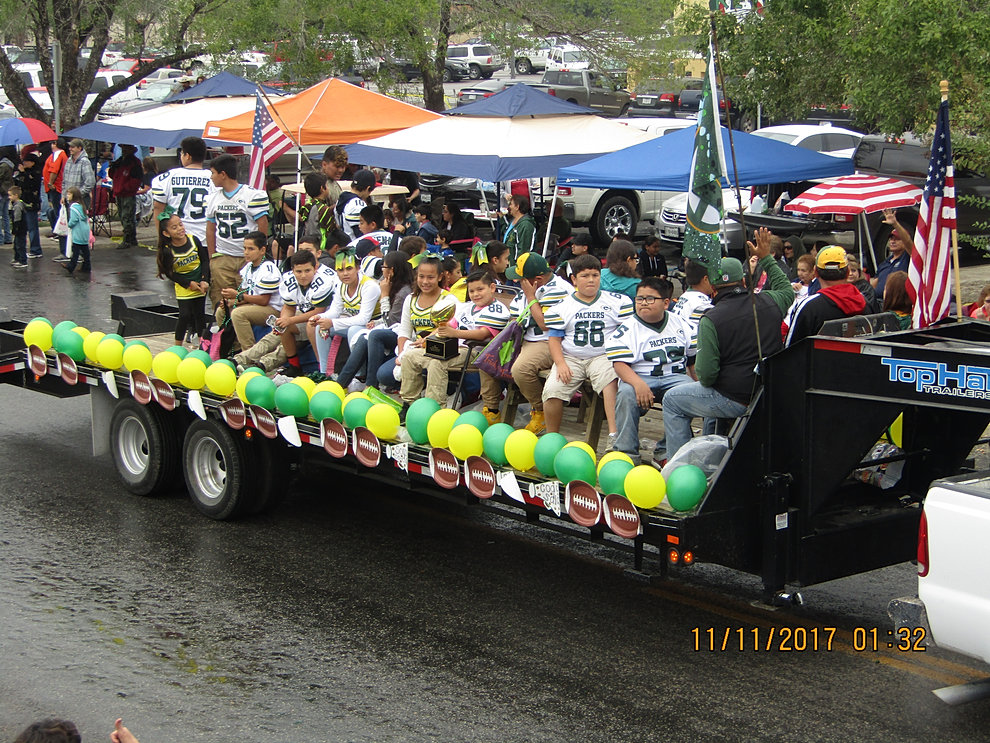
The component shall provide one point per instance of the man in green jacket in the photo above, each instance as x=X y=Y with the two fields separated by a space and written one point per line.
x=730 y=343
x=520 y=235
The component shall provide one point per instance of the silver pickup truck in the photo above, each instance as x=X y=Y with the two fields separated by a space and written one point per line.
x=588 y=88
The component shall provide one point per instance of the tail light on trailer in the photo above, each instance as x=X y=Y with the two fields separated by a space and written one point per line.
x=923 y=546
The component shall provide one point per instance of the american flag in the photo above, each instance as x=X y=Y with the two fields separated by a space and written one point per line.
x=930 y=269
x=268 y=142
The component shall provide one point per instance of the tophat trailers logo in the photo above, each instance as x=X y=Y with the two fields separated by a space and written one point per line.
x=935 y=378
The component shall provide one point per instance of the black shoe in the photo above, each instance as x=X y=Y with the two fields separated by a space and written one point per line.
x=124 y=246
x=67 y=268
x=292 y=371
x=402 y=413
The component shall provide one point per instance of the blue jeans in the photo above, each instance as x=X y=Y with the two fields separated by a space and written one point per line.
x=323 y=347
x=31 y=220
x=628 y=413
x=693 y=400
x=357 y=363
x=5 y=218
x=381 y=358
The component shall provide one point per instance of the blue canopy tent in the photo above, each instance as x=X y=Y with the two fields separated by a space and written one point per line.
x=519 y=99
x=664 y=164
x=221 y=84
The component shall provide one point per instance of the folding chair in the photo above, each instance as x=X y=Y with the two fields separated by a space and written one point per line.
x=99 y=211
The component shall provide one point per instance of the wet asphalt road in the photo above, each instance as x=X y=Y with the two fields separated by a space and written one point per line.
x=355 y=614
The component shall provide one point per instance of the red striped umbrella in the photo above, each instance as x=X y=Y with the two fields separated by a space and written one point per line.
x=24 y=131
x=855 y=194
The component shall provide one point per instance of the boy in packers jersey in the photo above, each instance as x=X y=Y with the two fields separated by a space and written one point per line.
x=479 y=319
x=307 y=291
x=650 y=353
x=186 y=188
x=696 y=301
x=578 y=328
x=232 y=211
x=355 y=303
x=257 y=297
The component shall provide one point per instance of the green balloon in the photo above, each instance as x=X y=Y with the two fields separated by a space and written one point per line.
x=200 y=354
x=612 y=477
x=62 y=329
x=493 y=441
x=686 y=487
x=417 y=418
x=356 y=411
x=71 y=344
x=255 y=368
x=116 y=337
x=260 y=391
x=227 y=362
x=42 y=319
x=325 y=404
x=179 y=351
x=572 y=463
x=545 y=451
x=293 y=402
x=473 y=418
x=135 y=343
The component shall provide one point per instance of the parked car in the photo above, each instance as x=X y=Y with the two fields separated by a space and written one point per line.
x=478 y=91
x=689 y=99
x=829 y=140
x=164 y=73
x=909 y=162
x=453 y=70
x=654 y=97
x=588 y=88
x=567 y=58
x=133 y=99
x=481 y=59
x=534 y=59
x=673 y=220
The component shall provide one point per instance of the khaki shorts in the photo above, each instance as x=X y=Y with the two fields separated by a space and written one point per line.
x=598 y=371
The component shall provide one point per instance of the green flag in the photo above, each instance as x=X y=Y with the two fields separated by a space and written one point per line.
x=704 y=212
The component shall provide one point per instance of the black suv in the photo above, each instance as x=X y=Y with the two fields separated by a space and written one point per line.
x=909 y=162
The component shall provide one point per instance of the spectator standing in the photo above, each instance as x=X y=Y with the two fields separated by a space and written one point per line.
x=520 y=235
x=349 y=204
x=126 y=172
x=333 y=166
x=836 y=299
x=900 y=246
x=78 y=231
x=51 y=177
x=186 y=188
x=6 y=182
x=232 y=213
x=28 y=178
x=77 y=171
x=18 y=227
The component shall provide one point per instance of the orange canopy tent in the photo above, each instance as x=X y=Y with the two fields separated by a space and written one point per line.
x=331 y=112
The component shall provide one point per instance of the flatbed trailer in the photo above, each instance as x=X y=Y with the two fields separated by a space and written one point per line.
x=781 y=504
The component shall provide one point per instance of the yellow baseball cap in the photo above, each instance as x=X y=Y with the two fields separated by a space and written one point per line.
x=831 y=256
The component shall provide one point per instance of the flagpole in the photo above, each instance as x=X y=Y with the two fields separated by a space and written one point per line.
x=728 y=120
x=944 y=89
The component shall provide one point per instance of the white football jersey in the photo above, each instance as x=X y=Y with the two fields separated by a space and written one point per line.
x=548 y=295
x=186 y=190
x=319 y=293
x=584 y=327
x=264 y=279
x=471 y=317
x=236 y=215
x=690 y=306
x=652 y=351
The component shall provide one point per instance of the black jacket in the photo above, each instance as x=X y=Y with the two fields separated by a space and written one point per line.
x=29 y=181
x=651 y=265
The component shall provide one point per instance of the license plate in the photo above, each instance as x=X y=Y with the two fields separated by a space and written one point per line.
x=670 y=232
x=646 y=101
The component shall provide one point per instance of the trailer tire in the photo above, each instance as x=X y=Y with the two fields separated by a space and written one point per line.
x=273 y=474
x=218 y=470
x=146 y=445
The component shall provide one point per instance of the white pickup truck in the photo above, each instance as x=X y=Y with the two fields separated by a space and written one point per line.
x=952 y=608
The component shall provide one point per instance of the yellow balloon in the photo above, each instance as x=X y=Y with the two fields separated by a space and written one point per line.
x=192 y=373
x=329 y=385
x=438 y=428
x=242 y=384
x=644 y=486
x=612 y=455
x=220 y=379
x=465 y=441
x=90 y=343
x=38 y=333
x=382 y=420
x=354 y=396
x=307 y=384
x=110 y=353
x=137 y=358
x=583 y=445
x=81 y=331
x=519 y=448
x=165 y=366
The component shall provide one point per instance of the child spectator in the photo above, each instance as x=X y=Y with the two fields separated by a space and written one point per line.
x=316 y=215
x=650 y=354
x=493 y=257
x=980 y=309
x=480 y=319
x=450 y=273
x=306 y=292
x=355 y=304
x=651 y=263
x=418 y=319
x=256 y=299
x=579 y=327
x=18 y=227
x=696 y=300
x=78 y=231
x=413 y=245
x=424 y=226
x=349 y=204
x=897 y=300
x=184 y=260
x=620 y=274
x=579 y=245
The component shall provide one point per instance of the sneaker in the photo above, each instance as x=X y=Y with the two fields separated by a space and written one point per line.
x=402 y=413
x=61 y=258
x=355 y=386
x=14 y=261
x=492 y=416
x=19 y=265
x=68 y=268
x=659 y=463
x=292 y=371
x=610 y=441
x=35 y=255
x=240 y=369
x=537 y=423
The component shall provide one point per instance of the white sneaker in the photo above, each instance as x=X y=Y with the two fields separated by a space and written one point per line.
x=356 y=386
x=610 y=441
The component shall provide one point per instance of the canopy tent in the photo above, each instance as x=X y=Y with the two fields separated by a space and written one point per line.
x=497 y=149
x=519 y=100
x=664 y=164
x=220 y=85
x=165 y=126
x=331 y=112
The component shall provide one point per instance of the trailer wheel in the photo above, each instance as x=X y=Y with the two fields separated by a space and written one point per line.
x=273 y=474
x=146 y=447
x=216 y=469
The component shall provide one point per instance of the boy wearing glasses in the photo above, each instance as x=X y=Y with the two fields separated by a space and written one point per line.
x=650 y=353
